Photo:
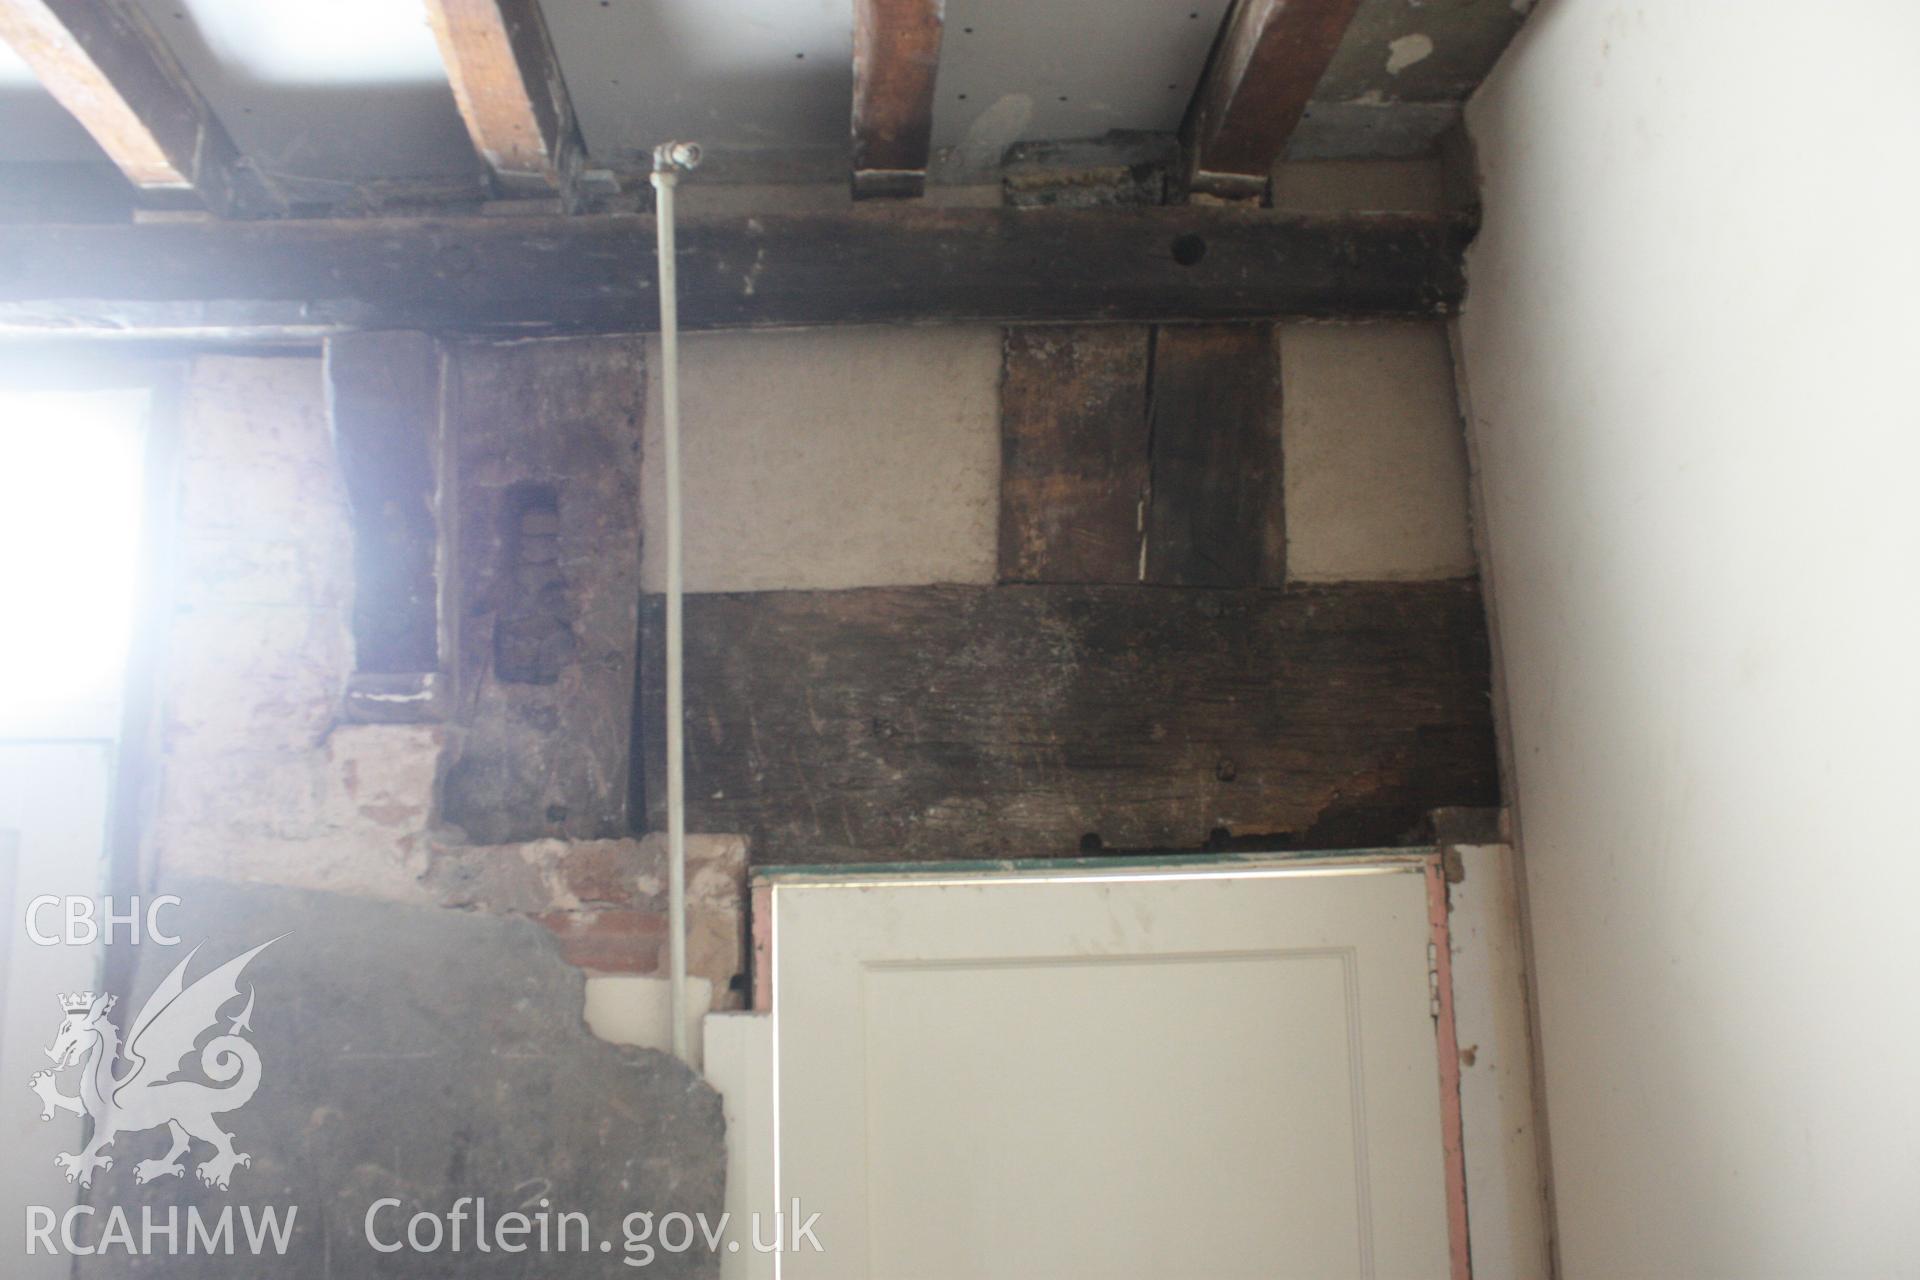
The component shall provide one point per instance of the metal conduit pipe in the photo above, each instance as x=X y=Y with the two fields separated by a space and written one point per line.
x=670 y=159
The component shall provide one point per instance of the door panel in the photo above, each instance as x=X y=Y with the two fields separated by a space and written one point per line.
x=1201 y=1074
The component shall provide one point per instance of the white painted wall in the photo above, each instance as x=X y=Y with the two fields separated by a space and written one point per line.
x=1690 y=343
x=1506 y=1195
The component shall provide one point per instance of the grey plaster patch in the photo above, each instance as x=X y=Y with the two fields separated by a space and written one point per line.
x=1371 y=127
x=1400 y=75
x=1467 y=36
x=992 y=132
x=425 y=1055
x=1407 y=50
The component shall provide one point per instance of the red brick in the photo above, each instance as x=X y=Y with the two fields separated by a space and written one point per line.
x=616 y=941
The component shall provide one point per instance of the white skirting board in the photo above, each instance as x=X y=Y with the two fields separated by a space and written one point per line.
x=738 y=1050
x=1506 y=1194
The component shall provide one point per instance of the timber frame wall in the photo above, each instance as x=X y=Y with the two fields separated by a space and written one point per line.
x=1142 y=676
x=1142 y=673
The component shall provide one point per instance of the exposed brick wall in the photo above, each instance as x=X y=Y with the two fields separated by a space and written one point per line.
x=259 y=779
x=606 y=900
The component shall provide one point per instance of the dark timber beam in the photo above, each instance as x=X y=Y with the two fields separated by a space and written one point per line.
x=507 y=83
x=887 y=265
x=1040 y=721
x=1265 y=64
x=104 y=64
x=1215 y=516
x=1074 y=452
x=896 y=57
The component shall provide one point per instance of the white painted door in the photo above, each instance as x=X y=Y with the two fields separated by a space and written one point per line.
x=1193 y=1073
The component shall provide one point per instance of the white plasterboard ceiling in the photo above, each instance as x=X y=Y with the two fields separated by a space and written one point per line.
x=734 y=75
x=334 y=90
x=766 y=75
x=1066 y=69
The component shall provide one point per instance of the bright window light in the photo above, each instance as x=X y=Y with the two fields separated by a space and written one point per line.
x=71 y=484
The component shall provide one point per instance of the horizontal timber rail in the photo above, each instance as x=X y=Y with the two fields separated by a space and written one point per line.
x=279 y=279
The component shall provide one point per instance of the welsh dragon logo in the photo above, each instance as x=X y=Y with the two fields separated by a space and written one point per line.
x=145 y=1090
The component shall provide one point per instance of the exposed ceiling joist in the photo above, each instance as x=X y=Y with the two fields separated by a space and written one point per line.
x=896 y=58
x=511 y=94
x=898 y=265
x=109 y=69
x=1269 y=57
